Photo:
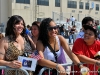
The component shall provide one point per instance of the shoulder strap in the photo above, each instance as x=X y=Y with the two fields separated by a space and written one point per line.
x=53 y=51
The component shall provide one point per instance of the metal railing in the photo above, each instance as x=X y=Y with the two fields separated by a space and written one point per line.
x=69 y=71
x=43 y=69
x=5 y=68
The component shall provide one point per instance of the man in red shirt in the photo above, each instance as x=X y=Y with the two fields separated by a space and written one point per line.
x=85 y=48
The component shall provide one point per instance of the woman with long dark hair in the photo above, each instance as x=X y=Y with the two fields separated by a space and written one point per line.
x=35 y=31
x=51 y=45
x=14 y=44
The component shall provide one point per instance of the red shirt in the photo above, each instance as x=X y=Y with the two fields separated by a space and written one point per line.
x=80 y=48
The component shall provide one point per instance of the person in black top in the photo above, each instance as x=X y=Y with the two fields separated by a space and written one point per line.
x=62 y=30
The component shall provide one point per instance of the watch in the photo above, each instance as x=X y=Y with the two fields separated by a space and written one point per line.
x=79 y=64
x=97 y=63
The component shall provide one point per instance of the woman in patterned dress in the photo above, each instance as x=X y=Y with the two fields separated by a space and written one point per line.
x=14 y=44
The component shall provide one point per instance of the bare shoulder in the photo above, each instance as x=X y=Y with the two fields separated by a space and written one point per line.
x=4 y=40
x=39 y=46
x=39 y=43
x=4 y=43
x=61 y=37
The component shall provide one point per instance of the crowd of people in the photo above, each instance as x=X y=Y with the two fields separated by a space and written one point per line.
x=44 y=37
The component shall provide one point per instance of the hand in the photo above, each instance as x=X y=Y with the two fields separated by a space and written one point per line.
x=15 y=64
x=84 y=70
x=61 y=70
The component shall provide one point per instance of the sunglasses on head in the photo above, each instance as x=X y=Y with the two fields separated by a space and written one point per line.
x=51 y=28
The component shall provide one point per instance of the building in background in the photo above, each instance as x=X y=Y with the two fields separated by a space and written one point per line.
x=59 y=10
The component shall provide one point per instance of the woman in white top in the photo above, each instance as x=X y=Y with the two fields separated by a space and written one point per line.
x=48 y=35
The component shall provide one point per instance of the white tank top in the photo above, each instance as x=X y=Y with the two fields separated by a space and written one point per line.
x=49 y=55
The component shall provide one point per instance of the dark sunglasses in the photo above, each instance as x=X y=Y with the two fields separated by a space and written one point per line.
x=51 y=28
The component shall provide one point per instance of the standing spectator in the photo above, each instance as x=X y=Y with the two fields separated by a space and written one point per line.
x=14 y=44
x=68 y=21
x=62 y=30
x=35 y=31
x=86 y=48
x=29 y=27
x=28 y=30
x=85 y=21
x=98 y=31
x=51 y=45
x=72 y=20
x=72 y=34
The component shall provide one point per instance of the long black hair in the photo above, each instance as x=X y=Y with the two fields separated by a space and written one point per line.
x=15 y=19
x=43 y=35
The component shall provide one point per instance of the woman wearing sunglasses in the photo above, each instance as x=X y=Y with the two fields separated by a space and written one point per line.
x=50 y=45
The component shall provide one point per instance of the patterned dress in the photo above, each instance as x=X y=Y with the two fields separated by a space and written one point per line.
x=12 y=53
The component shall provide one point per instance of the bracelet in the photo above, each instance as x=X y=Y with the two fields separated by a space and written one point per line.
x=79 y=64
x=57 y=66
x=97 y=63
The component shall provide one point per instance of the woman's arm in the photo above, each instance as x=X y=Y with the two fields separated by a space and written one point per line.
x=87 y=59
x=45 y=62
x=3 y=42
x=80 y=52
x=32 y=43
x=68 y=51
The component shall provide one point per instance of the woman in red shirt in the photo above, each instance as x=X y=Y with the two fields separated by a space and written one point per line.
x=85 y=48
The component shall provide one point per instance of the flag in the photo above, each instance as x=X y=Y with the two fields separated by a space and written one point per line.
x=36 y=55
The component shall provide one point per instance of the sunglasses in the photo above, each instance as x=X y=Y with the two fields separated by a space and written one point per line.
x=51 y=28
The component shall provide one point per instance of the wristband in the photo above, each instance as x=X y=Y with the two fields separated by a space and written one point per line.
x=97 y=63
x=79 y=64
x=57 y=66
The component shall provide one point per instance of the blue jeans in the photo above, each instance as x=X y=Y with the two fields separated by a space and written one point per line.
x=72 y=36
x=62 y=33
